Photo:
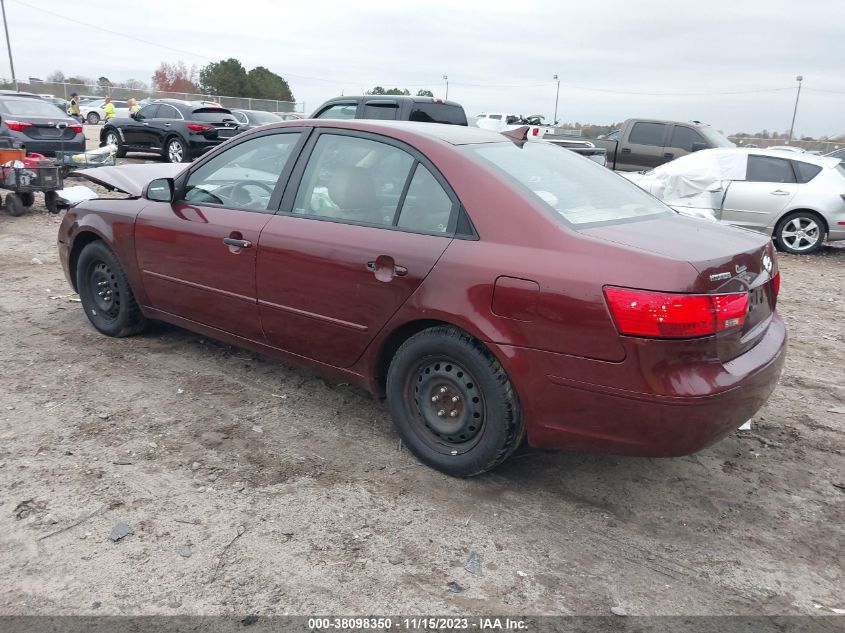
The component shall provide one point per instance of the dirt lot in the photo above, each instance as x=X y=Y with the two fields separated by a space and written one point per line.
x=292 y=494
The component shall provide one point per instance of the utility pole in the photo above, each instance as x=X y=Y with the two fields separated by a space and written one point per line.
x=446 y=79
x=8 y=43
x=799 y=79
x=557 y=98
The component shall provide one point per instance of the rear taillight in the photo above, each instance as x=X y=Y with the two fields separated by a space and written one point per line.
x=536 y=131
x=76 y=129
x=661 y=315
x=776 y=284
x=197 y=127
x=17 y=126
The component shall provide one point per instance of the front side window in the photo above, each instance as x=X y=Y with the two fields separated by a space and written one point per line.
x=684 y=138
x=244 y=176
x=148 y=112
x=644 y=133
x=769 y=169
x=353 y=179
x=339 y=111
x=576 y=191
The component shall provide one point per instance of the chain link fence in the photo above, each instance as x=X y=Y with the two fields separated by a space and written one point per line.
x=64 y=90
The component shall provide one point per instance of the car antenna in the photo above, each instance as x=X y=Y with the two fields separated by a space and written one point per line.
x=517 y=135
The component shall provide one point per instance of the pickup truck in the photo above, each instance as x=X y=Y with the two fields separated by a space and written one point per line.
x=392 y=108
x=646 y=143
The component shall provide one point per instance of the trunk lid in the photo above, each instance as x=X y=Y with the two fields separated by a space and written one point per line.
x=727 y=259
x=44 y=128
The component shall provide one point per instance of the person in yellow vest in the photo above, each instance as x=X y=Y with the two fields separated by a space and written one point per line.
x=108 y=108
x=74 y=107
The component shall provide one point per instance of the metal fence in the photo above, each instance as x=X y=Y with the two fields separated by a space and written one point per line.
x=811 y=146
x=64 y=90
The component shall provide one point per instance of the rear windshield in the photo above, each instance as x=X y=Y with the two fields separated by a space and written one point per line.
x=264 y=117
x=212 y=115
x=438 y=113
x=577 y=191
x=30 y=107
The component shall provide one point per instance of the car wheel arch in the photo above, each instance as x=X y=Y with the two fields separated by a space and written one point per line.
x=82 y=239
x=812 y=212
x=390 y=344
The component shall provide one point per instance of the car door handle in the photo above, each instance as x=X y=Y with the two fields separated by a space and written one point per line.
x=779 y=192
x=669 y=155
x=231 y=241
x=167 y=125
x=626 y=150
x=385 y=269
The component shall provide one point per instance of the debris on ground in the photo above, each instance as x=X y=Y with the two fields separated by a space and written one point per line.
x=454 y=587
x=620 y=611
x=35 y=261
x=120 y=531
x=184 y=551
x=473 y=564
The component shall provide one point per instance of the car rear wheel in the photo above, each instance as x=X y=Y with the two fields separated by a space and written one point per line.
x=176 y=152
x=113 y=141
x=14 y=205
x=93 y=118
x=800 y=233
x=105 y=293
x=452 y=403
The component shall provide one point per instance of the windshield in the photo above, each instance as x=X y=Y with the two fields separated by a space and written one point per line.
x=576 y=190
x=31 y=107
x=713 y=137
x=263 y=117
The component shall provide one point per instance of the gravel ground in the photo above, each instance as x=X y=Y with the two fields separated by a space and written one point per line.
x=253 y=487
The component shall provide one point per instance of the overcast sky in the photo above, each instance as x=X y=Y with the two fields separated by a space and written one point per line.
x=615 y=58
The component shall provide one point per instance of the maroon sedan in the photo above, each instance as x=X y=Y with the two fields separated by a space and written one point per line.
x=490 y=288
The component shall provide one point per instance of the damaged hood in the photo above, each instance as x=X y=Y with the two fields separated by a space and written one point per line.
x=131 y=179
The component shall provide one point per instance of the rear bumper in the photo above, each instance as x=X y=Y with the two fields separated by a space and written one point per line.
x=50 y=147
x=691 y=406
x=198 y=146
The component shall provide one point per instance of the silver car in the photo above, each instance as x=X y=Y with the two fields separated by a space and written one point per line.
x=798 y=199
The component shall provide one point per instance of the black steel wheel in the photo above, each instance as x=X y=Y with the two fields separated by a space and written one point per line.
x=105 y=293
x=453 y=403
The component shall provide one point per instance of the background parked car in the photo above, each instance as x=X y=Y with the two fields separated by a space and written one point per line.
x=39 y=125
x=838 y=153
x=393 y=108
x=60 y=103
x=177 y=130
x=253 y=118
x=797 y=198
x=290 y=116
x=93 y=112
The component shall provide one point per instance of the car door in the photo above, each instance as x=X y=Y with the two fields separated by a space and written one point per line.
x=166 y=120
x=683 y=140
x=362 y=223
x=768 y=187
x=197 y=254
x=135 y=132
x=644 y=147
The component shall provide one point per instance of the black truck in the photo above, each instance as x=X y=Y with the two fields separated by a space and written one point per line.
x=392 y=108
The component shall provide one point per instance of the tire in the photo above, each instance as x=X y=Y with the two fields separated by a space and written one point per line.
x=105 y=293
x=800 y=233
x=452 y=403
x=93 y=118
x=14 y=205
x=51 y=201
x=27 y=198
x=175 y=151
x=112 y=138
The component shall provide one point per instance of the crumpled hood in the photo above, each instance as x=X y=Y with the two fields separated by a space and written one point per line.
x=131 y=179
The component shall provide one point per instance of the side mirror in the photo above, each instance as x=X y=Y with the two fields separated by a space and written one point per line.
x=698 y=146
x=136 y=115
x=160 y=190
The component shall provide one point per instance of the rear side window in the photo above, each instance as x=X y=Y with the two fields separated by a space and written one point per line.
x=168 y=112
x=805 y=171
x=647 y=134
x=212 y=115
x=769 y=169
x=684 y=138
x=438 y=113
x=149 y=112
x=381 y=111
x=427 y=207
x=339 y=111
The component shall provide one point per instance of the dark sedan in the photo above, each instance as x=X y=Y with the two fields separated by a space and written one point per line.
x=39 y=126
x=250 y=119
x=179 y=131
x=491 y=288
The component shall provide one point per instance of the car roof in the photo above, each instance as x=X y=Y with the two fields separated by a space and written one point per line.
x=452 y=134
x=814 y=159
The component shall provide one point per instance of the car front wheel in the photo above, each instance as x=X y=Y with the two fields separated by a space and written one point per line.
x=452 y=402
x=113 y=141
x=93 y=118
x=176 y=152
x=105 y=293
x=800 y=233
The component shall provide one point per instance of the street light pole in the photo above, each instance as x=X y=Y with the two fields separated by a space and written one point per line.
x=446 y=79
x=8 y=43
x=799 y=79
x=557 y=98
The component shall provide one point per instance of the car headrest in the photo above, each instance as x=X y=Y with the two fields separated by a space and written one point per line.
x=352 y=188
